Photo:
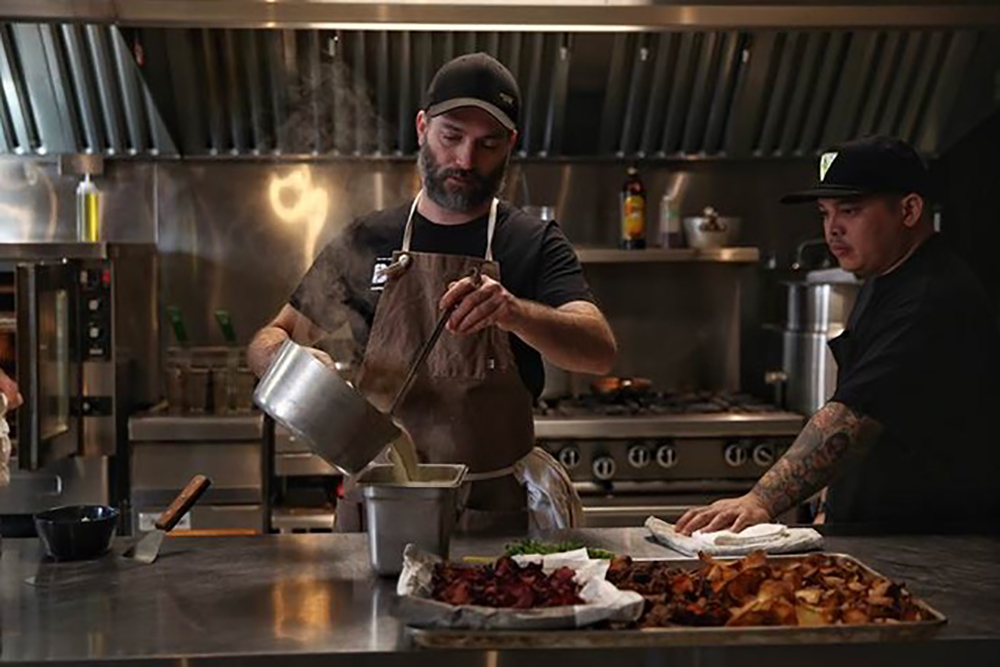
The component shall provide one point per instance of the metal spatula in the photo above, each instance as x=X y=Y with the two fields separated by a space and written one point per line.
x=147 y=547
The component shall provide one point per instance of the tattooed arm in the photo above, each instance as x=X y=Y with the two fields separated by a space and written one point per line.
x=832 y=437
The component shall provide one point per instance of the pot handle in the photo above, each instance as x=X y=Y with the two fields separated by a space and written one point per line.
x=777 y=381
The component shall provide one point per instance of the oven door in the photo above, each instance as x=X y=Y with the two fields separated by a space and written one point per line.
x=47 y=372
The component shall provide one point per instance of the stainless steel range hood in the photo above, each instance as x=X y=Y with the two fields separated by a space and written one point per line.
x=243 y=78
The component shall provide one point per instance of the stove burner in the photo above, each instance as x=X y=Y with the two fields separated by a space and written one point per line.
x=592 y=405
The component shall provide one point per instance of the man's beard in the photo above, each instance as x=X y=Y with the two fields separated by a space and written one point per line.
x=477 y=191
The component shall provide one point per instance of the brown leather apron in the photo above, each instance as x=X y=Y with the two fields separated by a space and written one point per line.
x=468 y=403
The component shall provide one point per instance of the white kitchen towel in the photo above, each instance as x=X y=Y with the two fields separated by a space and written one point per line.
x=769 y=537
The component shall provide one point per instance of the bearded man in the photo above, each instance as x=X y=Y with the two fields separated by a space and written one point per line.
x=518 y=292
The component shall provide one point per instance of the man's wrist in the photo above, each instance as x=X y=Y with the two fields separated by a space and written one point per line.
x=514 y=319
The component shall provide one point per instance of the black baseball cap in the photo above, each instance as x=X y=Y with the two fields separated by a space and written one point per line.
x=873 y=165
x=475 y=80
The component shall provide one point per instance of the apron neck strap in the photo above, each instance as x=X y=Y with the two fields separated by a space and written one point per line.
x=491 y=226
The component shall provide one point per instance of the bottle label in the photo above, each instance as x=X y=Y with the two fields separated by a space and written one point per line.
x=633 y=217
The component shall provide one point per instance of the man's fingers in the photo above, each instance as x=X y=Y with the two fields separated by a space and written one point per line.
x=722 y=520
x=686 y=518
x=456 y=292
x=480 y=317
x=699 y=520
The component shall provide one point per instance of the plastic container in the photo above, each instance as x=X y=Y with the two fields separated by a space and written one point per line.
x=421 y=513
x=87 y=211
x=670 y=222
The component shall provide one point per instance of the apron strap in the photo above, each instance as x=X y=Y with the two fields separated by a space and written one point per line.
x=491 y=226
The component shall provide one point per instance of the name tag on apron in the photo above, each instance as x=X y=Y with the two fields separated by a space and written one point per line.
x=378 y=273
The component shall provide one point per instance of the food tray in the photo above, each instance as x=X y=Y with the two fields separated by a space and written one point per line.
x=684 y=635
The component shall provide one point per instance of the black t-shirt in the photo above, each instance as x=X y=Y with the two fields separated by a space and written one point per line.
x=921 y=355
x=536 y=261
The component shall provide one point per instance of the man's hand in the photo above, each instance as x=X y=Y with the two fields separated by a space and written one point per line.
x=9 y=389
x=480 y=305
x=733 y=513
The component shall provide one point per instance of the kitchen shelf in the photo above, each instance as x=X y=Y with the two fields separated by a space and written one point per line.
x=735 y=255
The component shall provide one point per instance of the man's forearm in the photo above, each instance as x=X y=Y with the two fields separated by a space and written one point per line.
x=263 y=348
x=833 y=434
x=575 y=337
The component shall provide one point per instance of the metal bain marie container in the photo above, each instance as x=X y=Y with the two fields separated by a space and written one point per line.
x=421 y=513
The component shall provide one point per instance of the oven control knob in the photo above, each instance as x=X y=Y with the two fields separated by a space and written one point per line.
x=604 y=468
x=666 y=456
x=569 y=457
x=763 y=455
x=735 y=455
x=638 y=456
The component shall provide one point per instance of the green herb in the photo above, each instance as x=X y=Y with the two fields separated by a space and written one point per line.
x=529 y=546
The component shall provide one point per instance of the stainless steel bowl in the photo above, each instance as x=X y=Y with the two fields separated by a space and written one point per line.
x=711 y=230
x=319 y=406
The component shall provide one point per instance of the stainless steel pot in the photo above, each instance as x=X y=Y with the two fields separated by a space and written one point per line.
x=316 y=404
x=817 y=313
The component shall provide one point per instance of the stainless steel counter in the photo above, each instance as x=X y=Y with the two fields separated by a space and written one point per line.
x=311 y=599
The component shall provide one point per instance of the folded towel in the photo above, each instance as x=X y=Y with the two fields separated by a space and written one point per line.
x=769 y=537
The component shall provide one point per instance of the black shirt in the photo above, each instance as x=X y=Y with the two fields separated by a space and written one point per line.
x=536 y=261
x=921 y=355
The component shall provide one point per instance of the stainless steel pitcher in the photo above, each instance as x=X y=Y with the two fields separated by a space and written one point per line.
x=315 y=403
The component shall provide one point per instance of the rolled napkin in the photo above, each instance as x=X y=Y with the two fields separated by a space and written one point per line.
x=769 y=537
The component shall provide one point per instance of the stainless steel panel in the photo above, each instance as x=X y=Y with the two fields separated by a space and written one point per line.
x=213 y=93
x=232 y=61
x=84 y=87
x=690 y=426
x=65 y=108
x=901 y=89
x=131 y=88
x=803 y=90
x=15 y=95
x=499 y=15
x=300 y=464
x=613 y=97
x=821 y=105
x=74 y=481
x=205 y=516
x=928 y=70
x=680 y=93
x=666 y=51
x=196 y=429
x=160 y=470
x=704 y=76
x=107 y=89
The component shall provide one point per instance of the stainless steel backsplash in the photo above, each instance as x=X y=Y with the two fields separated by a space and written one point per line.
x=239 y=235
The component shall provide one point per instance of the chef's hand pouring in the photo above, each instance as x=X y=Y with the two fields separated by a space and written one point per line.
x=482 y=302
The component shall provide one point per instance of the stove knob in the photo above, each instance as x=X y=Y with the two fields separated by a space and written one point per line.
x=735 y=455
x=638 y=456
x=666 y=456
x=569 y=457
x=763 y=455
x=604 y=468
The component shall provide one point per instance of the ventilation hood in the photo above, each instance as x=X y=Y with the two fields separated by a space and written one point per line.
x=628 y=79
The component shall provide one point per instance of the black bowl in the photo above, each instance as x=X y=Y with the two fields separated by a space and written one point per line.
x=77 y=532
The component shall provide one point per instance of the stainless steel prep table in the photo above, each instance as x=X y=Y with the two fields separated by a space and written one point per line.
x=311 y=599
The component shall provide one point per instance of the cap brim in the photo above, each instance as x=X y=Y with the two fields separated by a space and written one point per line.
x=823 y=192
x=460 y=102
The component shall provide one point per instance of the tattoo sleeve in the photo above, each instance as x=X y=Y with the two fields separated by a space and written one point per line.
x=834 y=435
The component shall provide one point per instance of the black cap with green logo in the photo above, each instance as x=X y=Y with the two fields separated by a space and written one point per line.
x=873 y=165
